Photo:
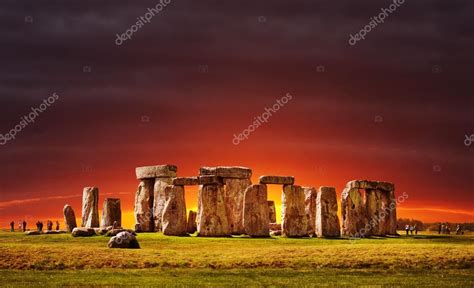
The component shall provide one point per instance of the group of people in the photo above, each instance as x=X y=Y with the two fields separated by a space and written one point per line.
x=39 y=225
x=445 y=229
x=410 y=229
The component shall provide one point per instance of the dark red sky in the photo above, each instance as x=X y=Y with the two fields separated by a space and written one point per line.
x=202 y=70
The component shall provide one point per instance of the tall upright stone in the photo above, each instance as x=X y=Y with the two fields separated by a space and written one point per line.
x=212 y=217
x=159 y=199
x=143 y=211
x=354 y=215
x=236 y=179
x=294 y=220
x=90 y=207
x=310 y=195
x=392 y=224
x=191 y=227
x=111 y=213
x=174 y=212
x=327 y=221
x=69 y=218
x=256 y=211
x=271 y=212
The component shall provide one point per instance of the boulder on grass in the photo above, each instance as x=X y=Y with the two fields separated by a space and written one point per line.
x=83 y=232
x=33 y=232
x=124 y=240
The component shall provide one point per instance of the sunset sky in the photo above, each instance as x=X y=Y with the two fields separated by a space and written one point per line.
x=396 y=106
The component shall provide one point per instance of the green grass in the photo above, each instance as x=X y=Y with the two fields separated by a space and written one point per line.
x=58 y=260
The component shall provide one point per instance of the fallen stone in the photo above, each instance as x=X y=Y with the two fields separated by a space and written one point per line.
x=274 y=233
x=102 y=230
x=124 y=240
x=114 y=232
x=210 y=179
x=191 y=227
x=279 y=180
x=56 y=232
x=148 y=172
x=294 y=220
x=256 y=211
x=274 y=226
x=111 y=213
x=69 y=218
x=354 y=216
x=234 y=191
x=185 y=181
x=83 y=232
x=144 y=206
x=90 y=207
x=174 y=212
x=33 y=232
x=212 y=217
x=310 y=195
x=227 y=171
x=327 y=221
x=159 y=201
x=271 y=212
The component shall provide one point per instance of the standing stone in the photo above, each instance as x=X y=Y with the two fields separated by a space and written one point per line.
x=234 y=191
x=271 y=212
x=392 y=225
x=256 y=211
x=310 y=195
x=294 y=221
x=174 y=212
x=160 y=200
x=327 y=221
x=354 y=216
x=90 y=207
x=144 y=205
x=191 y=224
x=69 y=218
x=212 y=217
x=111 y=213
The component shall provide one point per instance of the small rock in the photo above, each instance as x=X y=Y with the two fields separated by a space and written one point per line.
x=83 y=232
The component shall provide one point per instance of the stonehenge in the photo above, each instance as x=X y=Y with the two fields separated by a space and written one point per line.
x=212 y=216
x=69 y=218
x=368 y=208
x=310 y=195
x=256 y=211
x=90 y=207
x=111 y=213
x=174 y=212
x=327 y=221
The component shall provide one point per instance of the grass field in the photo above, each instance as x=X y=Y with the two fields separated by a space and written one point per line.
x=426 y=260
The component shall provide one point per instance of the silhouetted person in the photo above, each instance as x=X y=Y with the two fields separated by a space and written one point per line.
x=20 y=225
x=12 y=226
x=57 y=225
x=23 y=226
x=448 y=230
x=439 y=229
x=407 y=228
x=49 y=225
x=416 y=230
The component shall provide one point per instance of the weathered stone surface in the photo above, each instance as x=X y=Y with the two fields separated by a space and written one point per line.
x=234 y=191
x=370 y=184
x=271 y=212
x=174 y=213
x=294 y=222
x=185 y=181
x=111 y=212
x=327 y=221
x=159 y=201
x=114 y=232
x=210 y=179
x=33 y=233
x=90 y=207
x=274 y=226
x=310 y=195
x=69 y=218
x=376 y=201
x=102 y=230
x=56 y=232
x=144 y=206
x=157 y=171
x=274 y=233
x=256 y=211
x=212 y=216
x=124 y=240
x=392 y=223
x=279 y=180
x=191 y=227
x=83 y=232
x=354 y=215
x=227 y=171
